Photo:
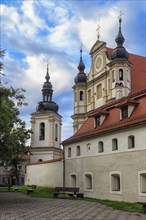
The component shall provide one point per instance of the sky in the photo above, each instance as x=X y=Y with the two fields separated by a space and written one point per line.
x=37 y=32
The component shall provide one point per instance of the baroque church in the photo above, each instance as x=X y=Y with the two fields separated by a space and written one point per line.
x=106 y=156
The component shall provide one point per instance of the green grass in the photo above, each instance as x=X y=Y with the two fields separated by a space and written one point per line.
x=45 y=192
x=125 y=206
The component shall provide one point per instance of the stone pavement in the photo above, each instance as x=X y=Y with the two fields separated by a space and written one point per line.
x=18 y=206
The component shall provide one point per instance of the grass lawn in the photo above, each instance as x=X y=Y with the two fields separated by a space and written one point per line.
x=45 y=192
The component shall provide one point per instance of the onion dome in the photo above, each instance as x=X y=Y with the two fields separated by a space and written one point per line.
x=47 y=92
x=81 y=77
x=119 y=52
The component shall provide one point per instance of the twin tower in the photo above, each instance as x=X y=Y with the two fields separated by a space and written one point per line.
x=109 y=78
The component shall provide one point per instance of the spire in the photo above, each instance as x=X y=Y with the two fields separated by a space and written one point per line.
x=47 y=75
x=120 y=52
x=81 y=65
x=120 y=39
x=81 y=77
x=47 y=92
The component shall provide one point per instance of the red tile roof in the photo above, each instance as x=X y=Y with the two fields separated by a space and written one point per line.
x=46 y=161
x=112 y=121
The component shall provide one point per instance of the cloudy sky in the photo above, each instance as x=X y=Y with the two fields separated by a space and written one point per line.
x=34 y=32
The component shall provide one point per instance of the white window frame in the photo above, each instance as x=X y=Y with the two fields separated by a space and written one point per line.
x=111 y=175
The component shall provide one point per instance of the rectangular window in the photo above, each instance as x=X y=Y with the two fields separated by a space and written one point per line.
x=69 y=152
x=114 y=144
x=89 y=95
x=115 y=182
x=88 y=181
x=143 y=183
x=73 y=180
x=99 y=91
x=124 y=112
x=131 y=141
x=97 y=121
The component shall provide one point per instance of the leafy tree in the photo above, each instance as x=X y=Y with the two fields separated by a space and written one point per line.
x=13 y=134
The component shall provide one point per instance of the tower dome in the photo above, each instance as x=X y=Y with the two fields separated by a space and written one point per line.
x=81 y=76
x=119 y=52
x=47 y=92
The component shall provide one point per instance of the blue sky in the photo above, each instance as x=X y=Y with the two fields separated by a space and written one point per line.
x=34 y=32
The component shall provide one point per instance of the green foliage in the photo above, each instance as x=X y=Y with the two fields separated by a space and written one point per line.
x=13 y=134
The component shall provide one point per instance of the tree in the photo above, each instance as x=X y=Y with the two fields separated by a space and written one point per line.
x=13 y=134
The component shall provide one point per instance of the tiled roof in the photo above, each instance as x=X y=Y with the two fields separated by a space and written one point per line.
x=45 y=162
x=113 y=122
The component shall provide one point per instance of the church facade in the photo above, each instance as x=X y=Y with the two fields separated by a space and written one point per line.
x=106 y=156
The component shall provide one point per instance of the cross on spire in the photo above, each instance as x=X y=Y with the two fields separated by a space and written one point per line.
x=98 y=29
x=120 y=16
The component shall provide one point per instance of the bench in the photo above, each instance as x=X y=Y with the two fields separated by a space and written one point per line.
x=143 y=206
x=30 y=188
x=6 y=185
x=70 y=191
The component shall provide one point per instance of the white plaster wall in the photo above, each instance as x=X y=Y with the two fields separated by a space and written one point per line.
x=48 y=174
x=128 y=162
x=122 y=137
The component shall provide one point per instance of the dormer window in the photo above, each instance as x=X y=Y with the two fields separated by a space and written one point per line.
x=120 y=74
x=126 y=108
x=97 y=121
x=124 y=112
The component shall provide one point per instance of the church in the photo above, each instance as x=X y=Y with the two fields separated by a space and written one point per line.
x=106 y=156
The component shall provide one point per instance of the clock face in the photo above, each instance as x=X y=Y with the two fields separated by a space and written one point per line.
x=98 y=62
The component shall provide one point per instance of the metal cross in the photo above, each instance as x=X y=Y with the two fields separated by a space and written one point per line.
x=120 y=16
x=98 y=29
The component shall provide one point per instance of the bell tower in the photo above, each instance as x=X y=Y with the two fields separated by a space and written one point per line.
x=80 y=102
x=120 y=68
x=46 y=126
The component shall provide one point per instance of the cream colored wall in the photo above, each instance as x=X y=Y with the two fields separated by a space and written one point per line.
x=48 y=174
x=129 y=162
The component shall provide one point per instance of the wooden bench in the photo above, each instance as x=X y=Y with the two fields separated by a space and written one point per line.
x=143 y=206
x=31 y=188
x=70 y=191
x=6 y=185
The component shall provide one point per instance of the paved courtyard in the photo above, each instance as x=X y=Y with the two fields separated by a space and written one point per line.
x=18 y=206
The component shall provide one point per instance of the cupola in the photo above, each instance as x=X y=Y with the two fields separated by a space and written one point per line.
x=120 y=52
x=47 y=92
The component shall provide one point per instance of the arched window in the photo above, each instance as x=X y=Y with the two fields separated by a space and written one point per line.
x=120 y=74
x=99 y=91
x=100 y=147
x=73 y=180
x=114 y=144
x=69 y=152
x=89 y=95
x=56 y=132
x=78 y=151
x=42 y=131
x=131 y=141
x=81 y=95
